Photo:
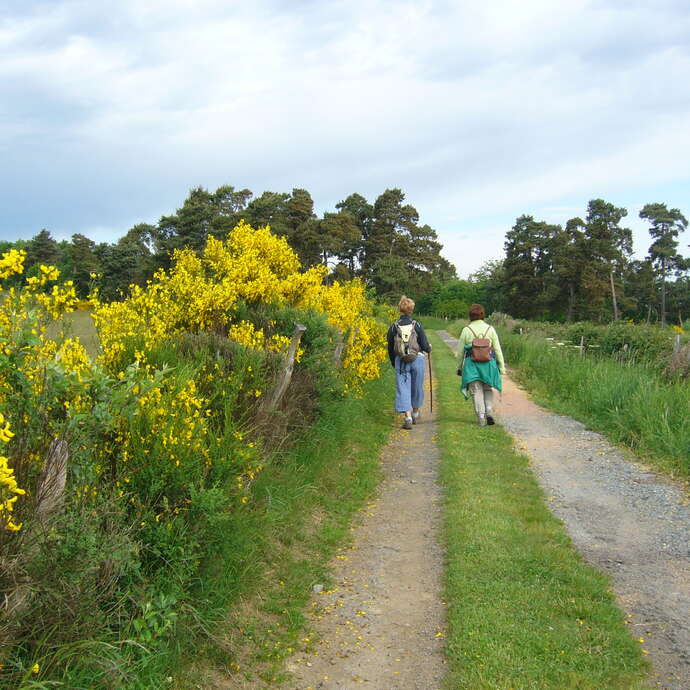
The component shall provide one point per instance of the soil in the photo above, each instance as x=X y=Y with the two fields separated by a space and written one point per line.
x=382 y=624
x=623 y=517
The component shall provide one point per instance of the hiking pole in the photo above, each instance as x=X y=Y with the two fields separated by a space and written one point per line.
x=431 y=387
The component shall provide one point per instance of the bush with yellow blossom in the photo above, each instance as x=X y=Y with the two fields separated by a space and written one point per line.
x=167 y=431
x=252 y=266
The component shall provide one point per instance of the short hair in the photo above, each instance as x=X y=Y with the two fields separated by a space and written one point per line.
x=406 y=305
x=476 y=312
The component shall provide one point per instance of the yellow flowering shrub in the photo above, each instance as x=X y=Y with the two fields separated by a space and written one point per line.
x=9 y=490
x=252 y=266
x=12 y=262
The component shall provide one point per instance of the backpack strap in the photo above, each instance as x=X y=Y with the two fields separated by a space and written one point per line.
x=486 y=331
x=471 y=331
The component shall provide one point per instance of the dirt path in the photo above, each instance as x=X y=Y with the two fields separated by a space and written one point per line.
x=623 y=518
x=382 y=625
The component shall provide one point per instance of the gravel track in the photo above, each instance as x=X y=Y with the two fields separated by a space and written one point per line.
x=623 y=517
x=382 y=625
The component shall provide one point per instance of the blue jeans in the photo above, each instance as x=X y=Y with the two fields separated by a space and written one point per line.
x=409 y=383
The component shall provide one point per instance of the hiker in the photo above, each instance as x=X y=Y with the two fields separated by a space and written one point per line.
x=407 y=341
x=480 y=377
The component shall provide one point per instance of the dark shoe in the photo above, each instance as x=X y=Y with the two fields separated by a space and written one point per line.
x=407 y=424
x=415 y=420
x=490 y=420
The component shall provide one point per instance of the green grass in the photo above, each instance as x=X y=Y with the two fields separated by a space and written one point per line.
x=433 y=322
x=525 y=611
x=78 y=324
x=260 y=584
x=628 y=402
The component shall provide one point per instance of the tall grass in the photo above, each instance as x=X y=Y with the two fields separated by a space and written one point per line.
x=628 y=401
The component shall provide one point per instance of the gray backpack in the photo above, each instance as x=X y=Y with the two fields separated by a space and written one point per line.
x=405 y=343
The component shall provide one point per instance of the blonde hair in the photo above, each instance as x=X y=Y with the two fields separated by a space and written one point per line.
x=406 y=305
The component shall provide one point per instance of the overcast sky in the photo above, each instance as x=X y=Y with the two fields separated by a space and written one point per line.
x=111 y=111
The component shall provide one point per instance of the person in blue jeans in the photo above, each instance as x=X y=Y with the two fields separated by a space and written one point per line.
x=409 y=376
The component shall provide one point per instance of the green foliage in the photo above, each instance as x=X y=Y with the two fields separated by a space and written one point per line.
x=583 y=271
x=145 y=517
x=634 y=343
x=274 y=550
x=663 y=254
x=451 y=299
x=383 y=243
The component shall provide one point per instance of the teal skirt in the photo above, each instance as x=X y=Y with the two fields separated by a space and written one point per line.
x=486 y=372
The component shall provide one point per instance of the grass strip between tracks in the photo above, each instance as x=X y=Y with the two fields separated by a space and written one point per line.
x=524 y=609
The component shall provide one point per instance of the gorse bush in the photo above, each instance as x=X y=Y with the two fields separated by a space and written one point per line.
x=166 y=434
x=252 y=267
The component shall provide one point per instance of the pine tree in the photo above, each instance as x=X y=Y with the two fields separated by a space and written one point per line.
x=666 y=225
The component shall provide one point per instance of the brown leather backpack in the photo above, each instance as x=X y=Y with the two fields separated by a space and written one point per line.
x=481 y=347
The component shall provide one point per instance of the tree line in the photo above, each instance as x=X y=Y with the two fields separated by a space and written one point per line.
x=383 y=243
x=582 y=270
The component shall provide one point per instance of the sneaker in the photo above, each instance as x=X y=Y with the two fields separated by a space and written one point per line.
x=407 y=424
x=415 y=417
x=490 y=420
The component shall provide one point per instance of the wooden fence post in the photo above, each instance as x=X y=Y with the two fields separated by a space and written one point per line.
x=51 y=485
x=339 y=347
x=286 y=374
x=582 y=345
x=676 y=343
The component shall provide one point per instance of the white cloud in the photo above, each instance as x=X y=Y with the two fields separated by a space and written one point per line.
x=478 y=112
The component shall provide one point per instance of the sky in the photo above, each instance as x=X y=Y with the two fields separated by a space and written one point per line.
x=110 y=112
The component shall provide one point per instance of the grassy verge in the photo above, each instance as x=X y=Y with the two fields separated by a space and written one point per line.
x=77 y=324
x=525 y=611
x=629 y=402
x=256 y=594
x=435 y=322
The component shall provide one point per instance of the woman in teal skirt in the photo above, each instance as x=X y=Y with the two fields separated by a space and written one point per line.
x=480 y=378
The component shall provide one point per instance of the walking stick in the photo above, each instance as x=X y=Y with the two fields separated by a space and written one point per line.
x=431 y=387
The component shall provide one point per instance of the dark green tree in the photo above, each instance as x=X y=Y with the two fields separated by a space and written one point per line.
x=339 y=237
x=389 y=230
x=569 y=264
x=42 y=249
x=666 y=225
x=608 y=245
x=524 y=254
x=119 y=268
x=363 y=214
x=84 y=262
x=269 y=209
x=490 y=286
x=303 y=228
x=640 y=283
x=230 y=206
